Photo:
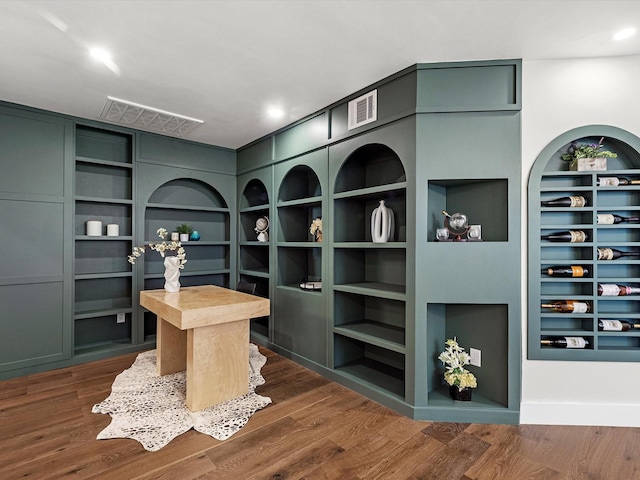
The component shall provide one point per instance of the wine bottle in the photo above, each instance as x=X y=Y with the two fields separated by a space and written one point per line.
x=572 y=236
x=572 y=201
x=616 y=325
x=614 y=254
x=613 y=290
x=565 y=342
x=612 y=218
x=569 y=306
x=616 y=181
x=567 y=271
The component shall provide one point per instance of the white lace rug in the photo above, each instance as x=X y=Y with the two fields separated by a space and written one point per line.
x=151 y=409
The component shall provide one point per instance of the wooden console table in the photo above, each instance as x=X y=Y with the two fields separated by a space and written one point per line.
x=205 y=330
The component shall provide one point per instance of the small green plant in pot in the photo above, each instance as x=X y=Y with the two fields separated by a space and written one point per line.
x=587 y=156
x=184 y=230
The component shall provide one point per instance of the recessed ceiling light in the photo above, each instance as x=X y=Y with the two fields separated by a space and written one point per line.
x=624 y=34
x=275 y=113
x=104 y=57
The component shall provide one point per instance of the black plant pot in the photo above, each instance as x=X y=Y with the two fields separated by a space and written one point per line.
x=463 y=395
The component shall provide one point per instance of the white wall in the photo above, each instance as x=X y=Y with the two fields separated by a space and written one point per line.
x=560 y=95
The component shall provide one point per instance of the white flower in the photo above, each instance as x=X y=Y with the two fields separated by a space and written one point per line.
x=162 y=248
x=455 y=358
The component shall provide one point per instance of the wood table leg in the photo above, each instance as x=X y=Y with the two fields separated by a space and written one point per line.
x=217 y=363
x=171 y=348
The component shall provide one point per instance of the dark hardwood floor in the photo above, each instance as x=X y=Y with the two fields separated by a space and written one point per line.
x=315 y=429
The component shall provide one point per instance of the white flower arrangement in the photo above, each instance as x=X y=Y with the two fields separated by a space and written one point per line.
x=455 y=358
x=316 y=227
x=162 y=248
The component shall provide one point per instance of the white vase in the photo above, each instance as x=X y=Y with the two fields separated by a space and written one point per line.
x=381 y=223
x=172 y=274
x=184 y=237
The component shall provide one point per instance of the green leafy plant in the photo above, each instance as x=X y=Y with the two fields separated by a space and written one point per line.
x=454 y=359
x=586 y=150
x=184 y=228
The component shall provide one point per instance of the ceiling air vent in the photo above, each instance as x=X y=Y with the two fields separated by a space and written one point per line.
x=147 y=118
x=363 y=109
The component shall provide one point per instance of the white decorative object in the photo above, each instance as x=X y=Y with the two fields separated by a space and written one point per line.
x=94 y=228
x=262 y=225
x=172 y=274
x=382 y=223
x=113 y=230
x=175 y=237
x=184 y=237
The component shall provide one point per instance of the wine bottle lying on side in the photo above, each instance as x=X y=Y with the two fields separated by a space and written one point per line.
x=564 y=342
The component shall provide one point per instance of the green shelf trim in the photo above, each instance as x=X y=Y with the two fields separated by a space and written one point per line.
x=296 y=288
x=101 y=312
x=264 y=273
x=372 y=191
x=373 y=374
x=205 y=243
x=119 y=201
x=300 y=202
x=255 y=208
x=374 y=289
x=112 y=345
x=308 y=244
x=108 y=163
x=253 y=243
x=371 y=245
x=193 y=208
x=374 y=333
x=103 y=238
x=441 y=398
x=93 y=276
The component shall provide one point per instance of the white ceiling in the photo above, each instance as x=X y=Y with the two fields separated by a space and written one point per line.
x=226 y=62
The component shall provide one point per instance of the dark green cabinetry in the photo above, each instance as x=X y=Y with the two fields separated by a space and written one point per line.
x=550 y=179
x=254 y=257
x=60 y=174
x=447 y=137
x=36 y=153
x=299 y=323
x=103 y=284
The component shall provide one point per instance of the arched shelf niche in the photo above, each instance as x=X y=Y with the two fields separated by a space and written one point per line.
x=198 y=204
x=551 y=178
x=373 y=172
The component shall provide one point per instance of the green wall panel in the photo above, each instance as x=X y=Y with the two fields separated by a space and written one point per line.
x=181 y=153
x=32 y=329
x=29 y=145
x=469 y=88
x=301 y=138
x=40 y=251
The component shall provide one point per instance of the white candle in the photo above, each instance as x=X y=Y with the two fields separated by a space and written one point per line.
x=94 y=228
x=113 y=230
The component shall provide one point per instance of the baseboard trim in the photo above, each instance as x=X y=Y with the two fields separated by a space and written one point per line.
x=597 y=414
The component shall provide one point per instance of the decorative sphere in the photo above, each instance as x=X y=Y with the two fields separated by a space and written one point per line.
x=458 y=221
x=262 y=224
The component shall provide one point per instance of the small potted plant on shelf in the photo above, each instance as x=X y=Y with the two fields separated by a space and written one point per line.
x=459 y=379
x=587 y=156
x=184 y=230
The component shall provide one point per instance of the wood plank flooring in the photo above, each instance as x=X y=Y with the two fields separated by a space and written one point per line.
x=315 y=429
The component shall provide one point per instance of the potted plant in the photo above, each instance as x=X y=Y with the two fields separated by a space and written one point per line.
x=459 y=379
x=185 y=231
x=587 y=156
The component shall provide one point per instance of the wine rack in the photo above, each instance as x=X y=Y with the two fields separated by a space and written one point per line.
x=551 y=180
